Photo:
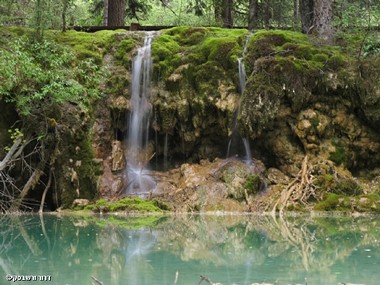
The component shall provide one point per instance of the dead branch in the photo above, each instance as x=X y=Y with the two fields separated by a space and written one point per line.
x=96 y=281
x=4 y=163
x=30 y=184
x=45 y=192
x=176 y=278
x=204 y=278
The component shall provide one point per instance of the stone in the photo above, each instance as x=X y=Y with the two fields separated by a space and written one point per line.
x=80 y=202
x=118 y=159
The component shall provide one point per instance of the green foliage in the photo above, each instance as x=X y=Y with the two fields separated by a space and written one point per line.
x=15 y=134
x=34 y=73
x=372 y=48
x=87 y=45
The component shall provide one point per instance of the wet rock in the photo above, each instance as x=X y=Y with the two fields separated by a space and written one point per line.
x=110 y=185
x=118 y=159
x=275 y=176
x=80 y=203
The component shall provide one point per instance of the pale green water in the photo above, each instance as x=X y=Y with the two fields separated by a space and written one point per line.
x=227 y=249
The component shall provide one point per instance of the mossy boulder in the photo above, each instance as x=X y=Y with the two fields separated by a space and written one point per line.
x=285 y=67
x=239 y=180
x=368 y=90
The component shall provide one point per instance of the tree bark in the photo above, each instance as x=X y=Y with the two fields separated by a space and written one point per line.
x=322 y=19
x=226 y=10
x=307 y=12
x=296 y=14
x=252 y=15
x=116 y=13
x=9 y=156
x=64 y=11
x=267 y=14
x=105 y=13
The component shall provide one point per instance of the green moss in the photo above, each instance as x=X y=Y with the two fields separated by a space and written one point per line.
x=130 y=205
x=334 y=202
x=101 y=203
x=339 y=155
x=252 y=184
x=368 y=203
x=86 y=45
x=347 y=186
x=188 y=36
x=336 y=61
x=166 y=55
x=320 y=57
x=223 y=51
x=209 y=53
x=123 y=49
x=116 y=84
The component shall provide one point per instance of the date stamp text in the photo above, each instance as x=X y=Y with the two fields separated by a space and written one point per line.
x=16 y=278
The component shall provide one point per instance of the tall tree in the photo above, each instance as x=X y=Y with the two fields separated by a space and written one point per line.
x=296 y=13
x=267 y=13
x=253 y=14
x=307 y=15
x=116 y=13
x=105 y=13
x=65 y=6
x=322 y=19
x=224 y=12
x=227 y=15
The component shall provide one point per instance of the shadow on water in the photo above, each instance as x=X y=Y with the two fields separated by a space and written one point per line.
x=158 y=249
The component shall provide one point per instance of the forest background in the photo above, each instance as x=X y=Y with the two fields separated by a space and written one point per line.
x=295 y=14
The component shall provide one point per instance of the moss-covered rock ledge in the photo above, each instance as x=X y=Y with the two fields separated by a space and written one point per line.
x=310 y=112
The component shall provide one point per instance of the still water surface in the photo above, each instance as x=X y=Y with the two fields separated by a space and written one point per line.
x=177 y=250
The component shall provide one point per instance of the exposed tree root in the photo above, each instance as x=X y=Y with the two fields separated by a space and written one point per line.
x=301 y=189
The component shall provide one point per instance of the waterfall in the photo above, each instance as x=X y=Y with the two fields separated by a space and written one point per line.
x=138 y=155
x=236 y=138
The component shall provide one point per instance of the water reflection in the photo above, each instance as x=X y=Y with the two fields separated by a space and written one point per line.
x=226 y=249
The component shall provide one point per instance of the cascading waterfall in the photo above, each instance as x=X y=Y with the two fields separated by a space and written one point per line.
x=138 y=155
x=235 y=138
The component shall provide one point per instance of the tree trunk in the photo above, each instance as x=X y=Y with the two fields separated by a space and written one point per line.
x=307 y=12
x=105 y=13
x=116 y=13
x=296 y=14
x=322 y=19
x=267 y=14
x=252 y=15
x=64 y=11
x=226 y=10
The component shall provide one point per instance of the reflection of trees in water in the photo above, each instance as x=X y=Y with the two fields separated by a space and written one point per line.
x=40 y=245
x=308 y=244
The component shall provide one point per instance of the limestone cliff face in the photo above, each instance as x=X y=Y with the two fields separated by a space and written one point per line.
x=301 y=98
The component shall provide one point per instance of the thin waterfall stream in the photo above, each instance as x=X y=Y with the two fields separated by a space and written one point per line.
x=236 y=139
x=139 y=152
